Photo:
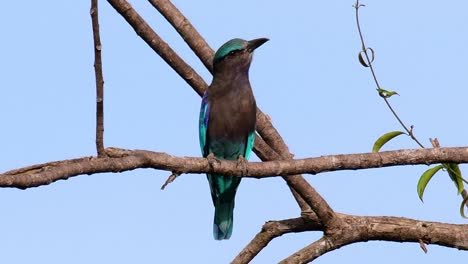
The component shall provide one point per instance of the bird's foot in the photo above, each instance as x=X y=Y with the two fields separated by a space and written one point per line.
x=212 y=160
x=242 y=164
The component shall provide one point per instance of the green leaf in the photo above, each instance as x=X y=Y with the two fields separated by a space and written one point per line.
x=385 y=93
x=363 y=55
x=425 y=178
x=462 y=208
x=384 y=139
x=455 y=174
x=362 y=61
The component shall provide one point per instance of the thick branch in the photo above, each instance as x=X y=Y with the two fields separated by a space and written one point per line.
x=344 y=230
x=264 y=152
x=186 y=30
x=159 y=46
x=383 y=228
x=99 y=79
x=353 y=229
x=119 y=160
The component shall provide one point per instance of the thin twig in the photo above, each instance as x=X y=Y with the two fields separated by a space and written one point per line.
x=422 y=245
x=99 y=80
x=364 y=50
x=170 y=179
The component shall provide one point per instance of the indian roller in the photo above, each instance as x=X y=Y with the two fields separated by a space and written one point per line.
x=227 y=124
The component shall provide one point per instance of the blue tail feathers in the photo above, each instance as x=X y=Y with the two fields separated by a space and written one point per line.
x=223 y=219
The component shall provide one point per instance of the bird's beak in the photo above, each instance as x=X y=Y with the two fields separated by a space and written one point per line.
x=255 y=43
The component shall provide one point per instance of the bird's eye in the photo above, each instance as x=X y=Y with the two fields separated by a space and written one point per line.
x=233 y=52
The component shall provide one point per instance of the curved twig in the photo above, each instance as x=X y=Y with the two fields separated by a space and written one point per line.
x=273 y=229
x=364 y=50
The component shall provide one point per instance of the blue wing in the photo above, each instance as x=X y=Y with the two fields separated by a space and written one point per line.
x=203 y=123
x=203 y=126
x=250 y=143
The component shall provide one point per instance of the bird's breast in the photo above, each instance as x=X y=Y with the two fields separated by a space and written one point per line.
x=232 y=116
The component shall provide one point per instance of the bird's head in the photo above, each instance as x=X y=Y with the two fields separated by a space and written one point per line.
x=236 y=53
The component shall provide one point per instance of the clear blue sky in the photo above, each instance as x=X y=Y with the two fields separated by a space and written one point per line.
x=307 y=78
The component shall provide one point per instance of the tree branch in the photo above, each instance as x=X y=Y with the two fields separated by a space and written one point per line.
x=120 y=160
x=273 y=229
x=311 y=252
x=383 y=228
x=159 y=46
x=186 y=30
x=265 y=152
x=355 y=229
x=99 y=79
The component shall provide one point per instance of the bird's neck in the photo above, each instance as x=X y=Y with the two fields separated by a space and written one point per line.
x=232 y=69
x=229 y=75
x=230 y=82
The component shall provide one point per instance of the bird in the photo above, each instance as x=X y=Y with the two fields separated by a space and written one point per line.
x=227 y=124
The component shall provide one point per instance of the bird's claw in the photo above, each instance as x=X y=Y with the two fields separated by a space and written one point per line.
x=212 y=159
x=242 y=164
